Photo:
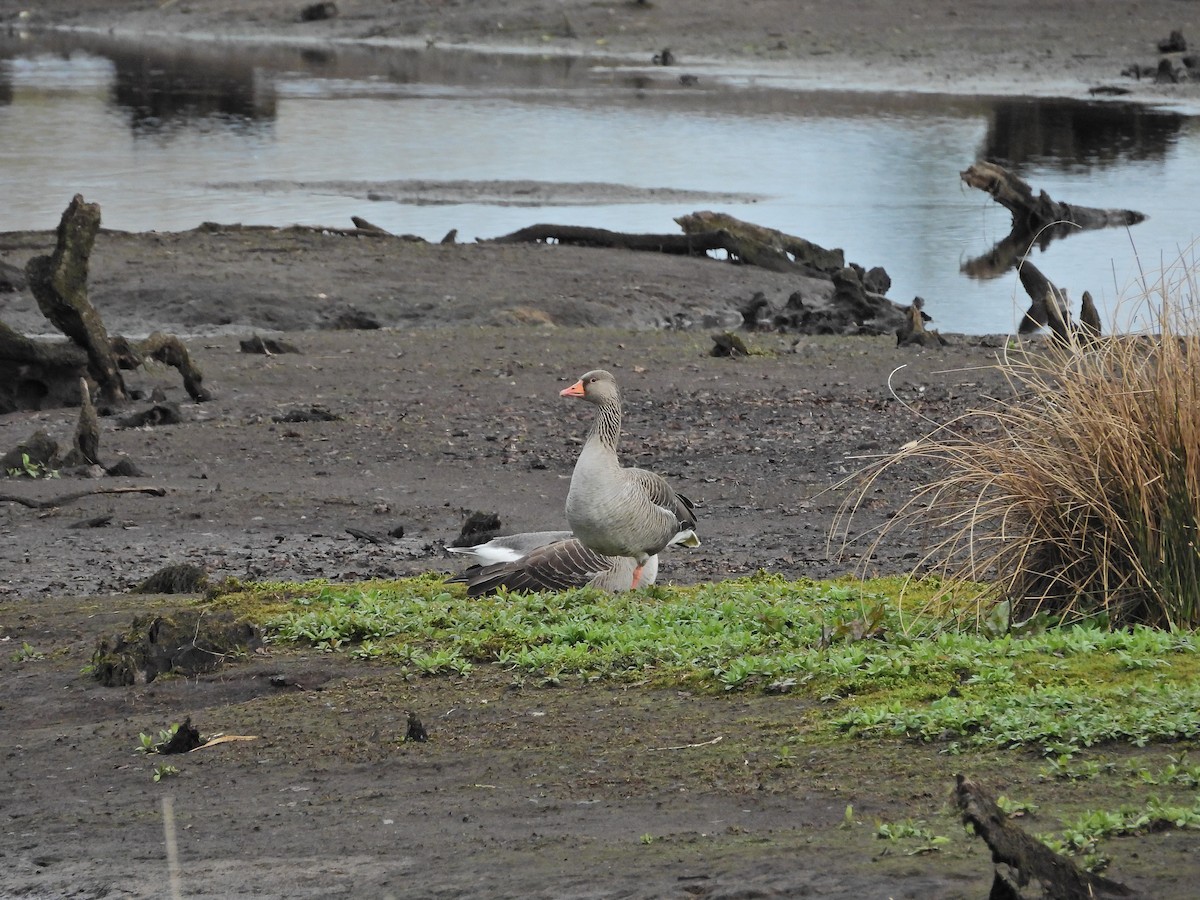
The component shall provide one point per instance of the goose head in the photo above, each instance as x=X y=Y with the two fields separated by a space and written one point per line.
x=597 y=387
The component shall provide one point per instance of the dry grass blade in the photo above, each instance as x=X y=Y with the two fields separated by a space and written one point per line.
x=1078 y=493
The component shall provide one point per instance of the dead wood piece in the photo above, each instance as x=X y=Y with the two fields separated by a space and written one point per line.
x=1025 y=868
x=319 y=12
x=64 y=499
x=38 y=374
x=752 y=312
x=450 y=237
x=179 y=578
x=1090 y=328
x=169 y=350
x=185 y=739
x=124 y=468
x=913 y=332
x=187 y=642
x=862 y=312
x=92 y=522
x=86 y=451
x=1033 y=213
x=1175 y=42
x=59 y=284
x=266 y=346
x=352 y=319
x=695 y=244
x=764 y=247
x=415 y=730
x=1048 y=306
x=363 y=225
x=1166 y=73
x=158 y=414
x=479 y=527
x=12 y=279
x=312 y=414
x=369 y=536
x=728 y=344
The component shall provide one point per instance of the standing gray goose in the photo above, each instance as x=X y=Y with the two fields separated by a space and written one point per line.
x=545 y=561
x=614 y=510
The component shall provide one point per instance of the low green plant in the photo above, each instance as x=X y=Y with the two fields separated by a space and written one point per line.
x=30 y=468
x=163 y=770
x=151 y=744
x=26 y=653
x=1082 y=834
x=911 y=832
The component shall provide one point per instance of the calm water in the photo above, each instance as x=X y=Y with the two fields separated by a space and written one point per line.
x=168 y=137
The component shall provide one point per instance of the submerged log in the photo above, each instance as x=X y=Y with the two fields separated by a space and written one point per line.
x=1025 y=868
x=1036 y=219
x=1033 y=213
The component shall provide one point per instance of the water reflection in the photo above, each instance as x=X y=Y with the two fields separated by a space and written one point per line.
x=1071 y=133
x=877 y=176
x=165 y=90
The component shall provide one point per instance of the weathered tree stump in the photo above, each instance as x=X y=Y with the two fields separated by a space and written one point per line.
x=1050 y=307
x=1025 y=868
x=59 y=284
x=912 y=332
x=39 y=374
x=86 y=451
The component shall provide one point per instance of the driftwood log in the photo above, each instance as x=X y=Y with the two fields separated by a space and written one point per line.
x=677 y=244
x=1025 y=868
x=40 y=374
x=765 y=247
x=858 y=304
x=703 y=233
x=1037 y=219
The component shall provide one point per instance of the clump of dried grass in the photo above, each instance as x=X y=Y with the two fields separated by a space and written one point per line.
x=1078 y=495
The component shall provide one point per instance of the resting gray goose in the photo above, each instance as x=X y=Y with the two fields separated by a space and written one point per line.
x=545 y=561
x=614 y=510
x=509 y=547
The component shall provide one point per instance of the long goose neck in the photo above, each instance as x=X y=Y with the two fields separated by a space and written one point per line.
x=607 y=428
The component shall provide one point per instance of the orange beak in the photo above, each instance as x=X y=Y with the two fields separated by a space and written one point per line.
x=575 y=390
